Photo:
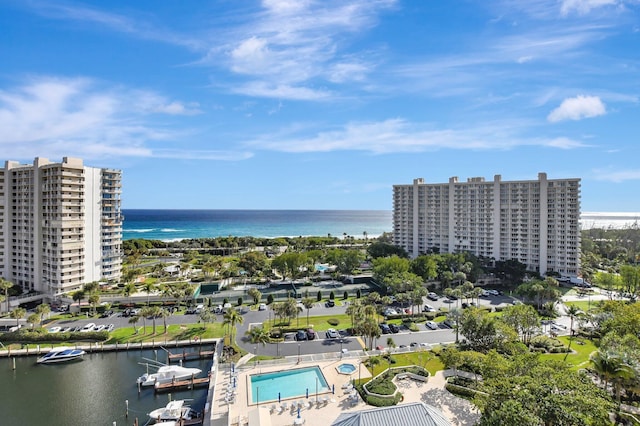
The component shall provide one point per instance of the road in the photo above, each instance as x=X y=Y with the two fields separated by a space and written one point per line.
x=291 y=347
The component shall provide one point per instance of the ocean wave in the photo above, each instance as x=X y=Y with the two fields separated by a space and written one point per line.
x=141 y=231
x=169 y=230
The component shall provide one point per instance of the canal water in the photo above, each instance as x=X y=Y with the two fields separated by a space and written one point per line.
x=88 y=392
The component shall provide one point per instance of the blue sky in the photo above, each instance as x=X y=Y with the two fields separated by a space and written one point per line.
x=300 y=104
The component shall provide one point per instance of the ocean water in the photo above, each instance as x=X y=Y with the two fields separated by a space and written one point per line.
x=172 y=225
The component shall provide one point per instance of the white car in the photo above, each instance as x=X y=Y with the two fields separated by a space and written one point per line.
x=55 y=329
x=332 y=333
x=262 y=307
x=99 y=327
x=431 y=325
x=87 y=328
x=428 y=308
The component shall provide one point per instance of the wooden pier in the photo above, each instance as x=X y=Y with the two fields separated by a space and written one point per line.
x=191 y=383
x=189 y=355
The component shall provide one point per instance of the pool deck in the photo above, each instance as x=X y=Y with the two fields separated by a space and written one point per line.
x=240 y=412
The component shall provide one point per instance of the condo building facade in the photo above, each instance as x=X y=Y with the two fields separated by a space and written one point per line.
x=60 y=225
x=535 y=222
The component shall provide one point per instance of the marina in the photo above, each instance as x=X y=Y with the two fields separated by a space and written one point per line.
x=100 y=390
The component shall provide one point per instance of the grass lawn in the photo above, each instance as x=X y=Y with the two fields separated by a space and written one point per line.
x=580 y=357
x=583 y=305
x=174 y=332
x=319 y=323
x=425 y=359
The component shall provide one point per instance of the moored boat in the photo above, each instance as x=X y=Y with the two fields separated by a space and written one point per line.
x=60 y=354
x=173 y=411
x=166 y=374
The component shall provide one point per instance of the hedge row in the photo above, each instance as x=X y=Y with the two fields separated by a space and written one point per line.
x=38 y=336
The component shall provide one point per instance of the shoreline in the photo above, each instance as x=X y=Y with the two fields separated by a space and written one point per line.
x=111 y=347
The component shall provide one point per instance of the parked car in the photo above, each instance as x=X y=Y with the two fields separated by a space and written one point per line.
x=432 y=296
x=311 y=334
x=301 y=335
x=262 y=307
x=428 y=308
x=332 y=333
x=55 y=330
x=431 y=325
x=394 y=328
x=385 y=328
x=110 y=327
x=87 y=328
x=330 y=303
x=99 y=327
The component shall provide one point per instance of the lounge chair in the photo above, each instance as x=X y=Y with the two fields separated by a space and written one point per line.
x=284 y=406
x=309 y=404
x=272 y=408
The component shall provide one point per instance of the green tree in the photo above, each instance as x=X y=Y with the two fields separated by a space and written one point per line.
x=93 y=299
x=611 y=368
x=134 y=321
x=6 y=286
x=148 y=288
x=34 y=319
x=258 y=335
x=231 y=318
x=77 y=296
x=128 y=290
x=42 y=310
x=255 y=294
x=308 y=303
x=523 y=319
x=17 y=314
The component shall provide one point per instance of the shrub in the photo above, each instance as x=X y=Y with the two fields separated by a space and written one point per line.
x=382 y=402
x=332 y=295
x=319 y=297
x=345 y=295
x=358 y=293
x=270 y=299
x=333 y=321
x=239 y=301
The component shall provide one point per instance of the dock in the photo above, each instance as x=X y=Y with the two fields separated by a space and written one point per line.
x=191 y=383
x=189 y=355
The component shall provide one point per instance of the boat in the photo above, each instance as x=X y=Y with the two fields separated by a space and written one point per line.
x=60 y=354
x=166 y=374
x=173 y=411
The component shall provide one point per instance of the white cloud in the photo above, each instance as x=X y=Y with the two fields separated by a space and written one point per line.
x=578 y=108
x=56 y=117
x=617 y=176
x=583 y=7
x=398 y=135
x=282 y=91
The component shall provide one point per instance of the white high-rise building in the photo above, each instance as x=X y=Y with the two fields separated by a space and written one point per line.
x=60 y=225
x=534 y=222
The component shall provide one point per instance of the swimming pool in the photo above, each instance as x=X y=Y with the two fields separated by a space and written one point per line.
x=295 y=383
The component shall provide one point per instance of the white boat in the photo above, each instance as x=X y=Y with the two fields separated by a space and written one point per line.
x=60 y=354
x=173 y=411
x=166 y=374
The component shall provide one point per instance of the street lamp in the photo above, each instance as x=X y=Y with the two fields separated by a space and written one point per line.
x=255 y=351
x=298 y=353
x=340 y=347
x=359 y=365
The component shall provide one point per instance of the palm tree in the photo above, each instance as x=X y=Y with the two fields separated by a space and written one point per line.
x=42 y=310
x=610 y=367
x=6 y=285
x=148 y=288
x=258 y=335
x=33 y=319
x=94 y=299
x=164 y=314
x=17 y=314
x=572 y=311
x=153 y=312
x=231 y=318
x=308 y=303
x=77 y=296
x=128 y=290
x=134 y=320
x=454 y=316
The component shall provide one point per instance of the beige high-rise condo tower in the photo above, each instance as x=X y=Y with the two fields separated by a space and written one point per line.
x=535 y=222
x=60 y=225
